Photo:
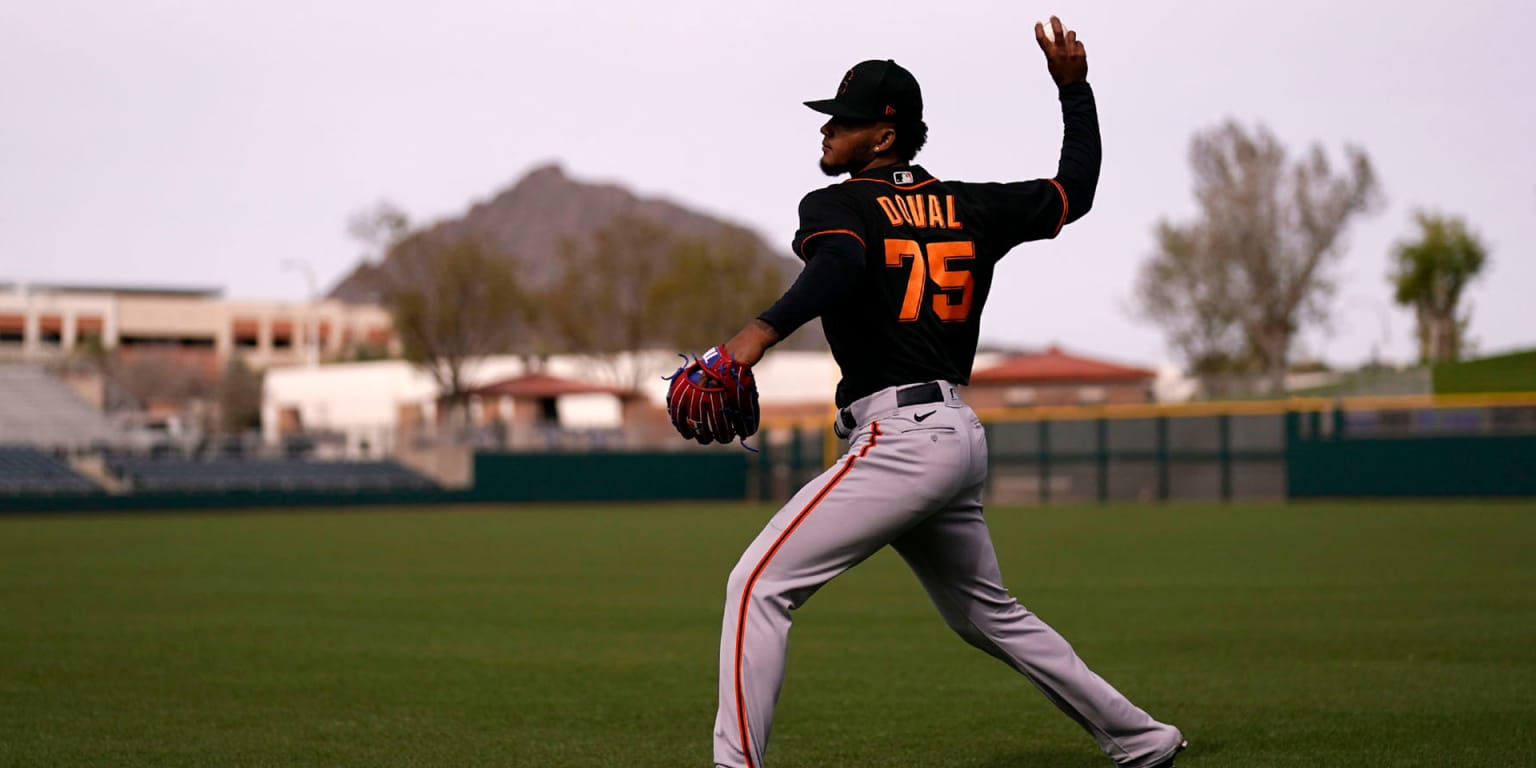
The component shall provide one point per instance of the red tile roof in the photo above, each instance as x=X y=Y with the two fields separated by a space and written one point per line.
x=544 y=385
x=1054 y=365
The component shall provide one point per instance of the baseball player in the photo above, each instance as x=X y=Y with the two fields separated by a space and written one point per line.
x=899 y=264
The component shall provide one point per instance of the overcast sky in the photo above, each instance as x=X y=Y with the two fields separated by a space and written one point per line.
x=206 y=142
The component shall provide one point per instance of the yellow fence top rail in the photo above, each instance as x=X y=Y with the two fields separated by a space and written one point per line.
x=1216 y=408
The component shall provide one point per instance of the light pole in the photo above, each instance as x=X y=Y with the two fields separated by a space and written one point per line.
x=311 y=311
x=1360 y=301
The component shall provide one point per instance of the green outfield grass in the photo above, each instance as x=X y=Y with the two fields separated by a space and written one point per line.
x=1315 y=635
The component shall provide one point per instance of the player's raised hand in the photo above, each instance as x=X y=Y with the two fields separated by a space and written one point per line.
x=1064 y=53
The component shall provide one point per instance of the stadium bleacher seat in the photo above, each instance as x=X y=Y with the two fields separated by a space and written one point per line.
x=176 y=474
x=40 y=410
x=25 y=470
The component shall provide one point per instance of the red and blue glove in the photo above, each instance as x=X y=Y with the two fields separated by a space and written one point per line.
x=714 y=399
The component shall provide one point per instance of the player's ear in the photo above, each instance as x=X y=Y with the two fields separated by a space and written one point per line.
x=885 y=139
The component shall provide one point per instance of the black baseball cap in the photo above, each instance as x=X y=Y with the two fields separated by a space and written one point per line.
x=875 y=90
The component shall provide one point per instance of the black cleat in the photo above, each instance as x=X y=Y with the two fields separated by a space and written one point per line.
x=1169 y=762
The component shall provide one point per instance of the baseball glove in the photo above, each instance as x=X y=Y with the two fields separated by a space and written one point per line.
x=713 y=399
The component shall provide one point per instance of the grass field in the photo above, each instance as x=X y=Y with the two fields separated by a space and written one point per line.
x=1315 y=635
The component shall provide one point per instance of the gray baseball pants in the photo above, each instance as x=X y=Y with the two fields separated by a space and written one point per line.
x=912 y=478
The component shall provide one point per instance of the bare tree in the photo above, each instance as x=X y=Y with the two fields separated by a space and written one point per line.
x=379 y=228
x=635 y=286
x=1233 y=288
x=1186 y=290
x=454 y=301
x=1430 y=275
x=163 y=375
x=708 y=287
x=601 y=304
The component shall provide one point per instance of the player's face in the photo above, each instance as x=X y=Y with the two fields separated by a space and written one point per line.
x=849 y=145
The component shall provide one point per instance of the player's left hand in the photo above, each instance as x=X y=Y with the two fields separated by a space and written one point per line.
x=714 y=399
x=1065 y=56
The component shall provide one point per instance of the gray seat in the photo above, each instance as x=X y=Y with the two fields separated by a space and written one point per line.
x=42 y=411
x=25 y=470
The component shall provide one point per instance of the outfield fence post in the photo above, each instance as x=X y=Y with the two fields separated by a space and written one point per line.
x=1293 y=433
x=1044 y=474
x=764 y=468
x=796 y=458
x=1224 y=426
x=1102 y=458
x=1162 y=458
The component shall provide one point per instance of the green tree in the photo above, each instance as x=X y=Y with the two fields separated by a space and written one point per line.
x=239 y=392
x=454 y=301
x=1233 y=288
x=1430 y=275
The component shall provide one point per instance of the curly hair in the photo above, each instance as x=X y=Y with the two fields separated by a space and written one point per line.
x=910 y=138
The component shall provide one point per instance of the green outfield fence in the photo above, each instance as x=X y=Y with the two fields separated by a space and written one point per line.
x=612 y=476
x=1452 y=445
x=500 y=477
x=169 y=501
x=1460 y=445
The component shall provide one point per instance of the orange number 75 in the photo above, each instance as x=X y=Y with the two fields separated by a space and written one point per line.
x=936 y=266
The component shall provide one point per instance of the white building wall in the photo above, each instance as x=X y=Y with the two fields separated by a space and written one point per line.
x=363 y=400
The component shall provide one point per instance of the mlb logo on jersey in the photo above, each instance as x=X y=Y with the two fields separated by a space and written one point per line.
x=902 y=177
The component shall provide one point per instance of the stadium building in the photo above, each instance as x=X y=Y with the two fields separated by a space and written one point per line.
x=41 y=322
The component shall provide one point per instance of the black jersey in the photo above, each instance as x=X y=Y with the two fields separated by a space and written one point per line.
x=930 y=247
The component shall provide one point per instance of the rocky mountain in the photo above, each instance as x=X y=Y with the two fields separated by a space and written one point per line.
x=530 y=220
x=532 y=217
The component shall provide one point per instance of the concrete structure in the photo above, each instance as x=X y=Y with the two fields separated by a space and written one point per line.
x=372 y=403
x=384 y=405
x=1055 y=377
x=38 y=322
x=41 y=410
x=533 y=399
x=391 y=408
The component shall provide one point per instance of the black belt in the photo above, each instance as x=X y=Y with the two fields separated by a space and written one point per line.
x=917 y=394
